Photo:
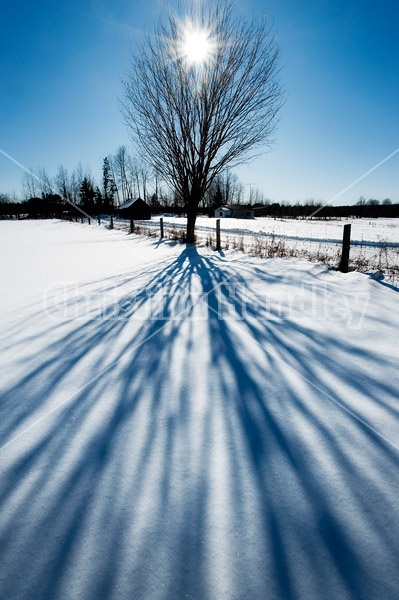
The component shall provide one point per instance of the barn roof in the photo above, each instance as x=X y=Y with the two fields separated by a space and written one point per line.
x=130 y=202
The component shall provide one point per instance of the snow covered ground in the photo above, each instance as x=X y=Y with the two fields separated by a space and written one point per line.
x=320 y=230
x=178 y=423
x=374 y=242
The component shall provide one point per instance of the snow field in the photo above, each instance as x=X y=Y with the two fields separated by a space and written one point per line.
x=374 y=242
x=180 y=423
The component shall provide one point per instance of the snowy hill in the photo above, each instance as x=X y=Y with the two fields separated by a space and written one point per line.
x=177 y=423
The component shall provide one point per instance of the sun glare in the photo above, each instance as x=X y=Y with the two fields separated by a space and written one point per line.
x=196 y=45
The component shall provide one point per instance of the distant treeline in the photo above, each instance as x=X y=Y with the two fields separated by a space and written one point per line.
x=48 y=207
x=54 y=206
x=357 y=211
x=126 y=177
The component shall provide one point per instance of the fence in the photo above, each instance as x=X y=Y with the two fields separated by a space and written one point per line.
x=344 y=255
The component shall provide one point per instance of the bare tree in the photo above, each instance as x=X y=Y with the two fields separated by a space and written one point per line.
x=44 y=181
x=133 y=174
x=120 y=166
x=202 y=95
x=30 y=185
x=36 y=183
x=61 y=181
x=257 y=196
x=74 y=186
x=233 y=189
x=144 y=176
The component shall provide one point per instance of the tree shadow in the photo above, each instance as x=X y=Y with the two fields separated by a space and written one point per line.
x=187 y=438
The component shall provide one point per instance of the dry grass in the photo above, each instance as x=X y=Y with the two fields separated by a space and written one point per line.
x=385 y=259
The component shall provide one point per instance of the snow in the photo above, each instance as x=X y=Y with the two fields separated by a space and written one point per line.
x=320 y=230
x=179 y=423
x=374 y=242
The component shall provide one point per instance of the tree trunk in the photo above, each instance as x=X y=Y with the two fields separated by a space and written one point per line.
x=191 y=218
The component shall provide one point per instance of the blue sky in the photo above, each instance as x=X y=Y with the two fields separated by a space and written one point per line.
x=61 y=65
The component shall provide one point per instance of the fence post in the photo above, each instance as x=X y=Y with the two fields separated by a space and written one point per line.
x=99 y=220
x=161 y=224
x=81 y=220
x=346 y=244
x=88 y=218
x=218 y=246
x=111 y=225
x=131 y=226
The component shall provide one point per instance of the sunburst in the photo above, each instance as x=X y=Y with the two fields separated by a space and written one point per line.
x=195 y=44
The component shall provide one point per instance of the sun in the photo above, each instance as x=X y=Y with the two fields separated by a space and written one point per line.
x=196 y=45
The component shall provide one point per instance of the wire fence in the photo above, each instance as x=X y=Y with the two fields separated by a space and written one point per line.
x=379 y=257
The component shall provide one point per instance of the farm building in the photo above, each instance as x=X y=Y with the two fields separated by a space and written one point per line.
x=223 y=212
x=135 y=209
x=234 y=212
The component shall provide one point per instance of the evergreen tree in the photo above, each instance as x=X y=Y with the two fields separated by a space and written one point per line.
x=109 y=186
x=87 y=195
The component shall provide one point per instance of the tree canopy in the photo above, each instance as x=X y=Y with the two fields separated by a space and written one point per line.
x=202 y=96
